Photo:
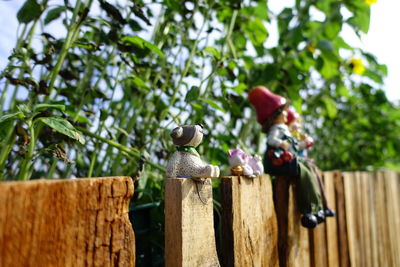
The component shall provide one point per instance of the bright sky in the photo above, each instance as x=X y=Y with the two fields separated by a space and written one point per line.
x=380 y=41
x=384 y=42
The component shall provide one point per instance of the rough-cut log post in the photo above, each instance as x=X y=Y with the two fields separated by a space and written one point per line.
x=189 y=224
x=249 y=227
x=80 y=222
x=293 y=239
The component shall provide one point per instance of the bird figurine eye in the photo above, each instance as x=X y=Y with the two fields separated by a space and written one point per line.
x=202 y=128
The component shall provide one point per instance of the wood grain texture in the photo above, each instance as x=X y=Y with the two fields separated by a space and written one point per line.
x=250 y=231
x=189 y=224
x=344 y=252
x=365 y=219
x=298 y=237
x=331 y=224
x=293 y=239
x=319 y=242
x=382 y=224
x=79 y=222
x=351 y=213
x=392 y=183
x=374 y=257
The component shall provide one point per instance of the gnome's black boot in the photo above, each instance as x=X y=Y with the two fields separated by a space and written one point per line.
x=329 y=213
x=320 y=215
x=309 y=220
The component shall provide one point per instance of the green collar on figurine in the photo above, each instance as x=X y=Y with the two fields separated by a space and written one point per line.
x=189 y=149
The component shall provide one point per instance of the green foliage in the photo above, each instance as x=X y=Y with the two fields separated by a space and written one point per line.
x=123 y=78
x=31 y=10
x=64 y=127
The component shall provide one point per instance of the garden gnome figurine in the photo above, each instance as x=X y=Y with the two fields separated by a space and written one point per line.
x=281 y=157
x=295 y=124
x=186 y=162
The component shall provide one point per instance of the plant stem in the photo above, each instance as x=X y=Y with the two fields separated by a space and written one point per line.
x=72 y=34
x=26 y=165
x=130 y=151
x=6 y=149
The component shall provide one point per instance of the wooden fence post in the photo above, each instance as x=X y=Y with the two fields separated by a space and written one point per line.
x=293 y=239
x=331 y=224
x=392 y=197
x=249 y=227
x=189 y=224
x=79 y=222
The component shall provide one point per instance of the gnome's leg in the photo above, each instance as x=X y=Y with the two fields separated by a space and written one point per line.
x=321 y=185
x=308 y=195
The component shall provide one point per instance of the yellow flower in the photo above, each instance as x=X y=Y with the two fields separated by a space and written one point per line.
x=357 y=66
x=311 y=48
x=370 y=2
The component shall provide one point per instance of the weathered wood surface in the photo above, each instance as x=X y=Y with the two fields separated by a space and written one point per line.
x=80 y=222
x=319 y=242
x=293 y=239
x=331 y=224
x=189 y=224
x=373 y=218
x=249 y=226
x=341 y=219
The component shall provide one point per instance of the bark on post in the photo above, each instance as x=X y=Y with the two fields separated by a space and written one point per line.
x=189 y=223
x=80 y=222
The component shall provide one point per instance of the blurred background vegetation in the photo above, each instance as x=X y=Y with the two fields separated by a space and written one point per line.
x=99 y=96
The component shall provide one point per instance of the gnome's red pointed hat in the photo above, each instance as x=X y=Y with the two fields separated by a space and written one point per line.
x=265 y=102
x=291 y=115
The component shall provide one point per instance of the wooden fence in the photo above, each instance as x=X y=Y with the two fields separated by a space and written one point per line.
x=365 y=231
x=84 y=222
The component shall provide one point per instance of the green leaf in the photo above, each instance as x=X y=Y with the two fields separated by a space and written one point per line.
x=328 y=68
x=343 y=91
x=31 y=10
x=192 y=94
x=325 y=45
x=240 y=88
x=54 y=14
x=324 y=5
x=373 y=76
x=7 y=117
x=213 y=51
x=4 y=127
x=138 y=82
x=339 y=42
x=261 y=10
x=257 y=32
x=64 y=127
x=330 y=106
x=361 y=18
x=295 y=97
x=197 y=107
x=39 y=107
x=141 y=43
x=24 y=109
x=213 y=104
x=333 y=29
